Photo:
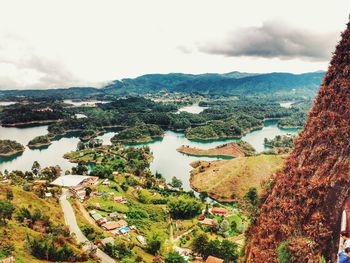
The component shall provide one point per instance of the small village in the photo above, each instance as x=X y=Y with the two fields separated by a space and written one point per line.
x=133 y=209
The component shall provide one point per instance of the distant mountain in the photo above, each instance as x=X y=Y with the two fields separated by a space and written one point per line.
x=232 y=83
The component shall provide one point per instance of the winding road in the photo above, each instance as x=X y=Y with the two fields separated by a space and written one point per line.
x=71 y=222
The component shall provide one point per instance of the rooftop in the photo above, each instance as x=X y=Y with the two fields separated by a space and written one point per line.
x=69 y=180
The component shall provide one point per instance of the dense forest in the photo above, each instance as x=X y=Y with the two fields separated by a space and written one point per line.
x=33 y=112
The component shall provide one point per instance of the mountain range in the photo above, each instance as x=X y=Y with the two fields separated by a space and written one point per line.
x=232 y=83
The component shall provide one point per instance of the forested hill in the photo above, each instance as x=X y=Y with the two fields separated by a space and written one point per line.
x=232 y=83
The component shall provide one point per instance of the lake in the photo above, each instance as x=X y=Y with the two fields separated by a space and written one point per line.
x=84 y=103
x=167 y=160
x=194 y=108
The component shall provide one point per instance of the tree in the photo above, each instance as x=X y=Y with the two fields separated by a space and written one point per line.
x=200 y=244
x=88 y=191
x=184 y=207
x=36 y=168
x=224 y=227
x=203 y=196
x=153 y=244
x=252 y=196
x=9 y=195
x=228 y=251
x=176 y=183
x=174 y=257
x=80 y=169
x=6 y=210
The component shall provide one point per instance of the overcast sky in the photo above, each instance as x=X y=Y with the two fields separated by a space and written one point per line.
x=48 y=44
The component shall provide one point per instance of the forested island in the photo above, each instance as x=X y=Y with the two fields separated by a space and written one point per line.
x=40 y=141
x=139 y=133
x=140 y=120
x=33 y=113
x=9 y=148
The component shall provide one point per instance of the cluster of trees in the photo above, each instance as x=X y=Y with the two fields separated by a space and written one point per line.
x=8 y=146
x=142 y=118
x=184 y=207
x=119 y=250
x=40 y=140
x=284 y=141
x=23 y=113
x=205 y=247
x=139 y=133
x=53 y=248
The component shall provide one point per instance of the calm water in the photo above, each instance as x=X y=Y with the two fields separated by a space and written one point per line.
x=167 y=160
x=88 y=103
x=194 y=108
x=286 y=104
x=7 y=103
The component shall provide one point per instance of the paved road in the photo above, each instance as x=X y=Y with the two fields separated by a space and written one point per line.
x=71 y=221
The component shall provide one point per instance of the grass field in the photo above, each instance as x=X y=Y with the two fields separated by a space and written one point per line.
x=226 y=180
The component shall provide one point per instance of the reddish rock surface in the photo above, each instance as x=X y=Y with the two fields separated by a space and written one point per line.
x=305 y=205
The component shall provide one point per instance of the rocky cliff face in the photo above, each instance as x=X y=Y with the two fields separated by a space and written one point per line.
x=303 y=209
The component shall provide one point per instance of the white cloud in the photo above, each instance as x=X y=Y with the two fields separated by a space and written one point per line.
x=85 y=42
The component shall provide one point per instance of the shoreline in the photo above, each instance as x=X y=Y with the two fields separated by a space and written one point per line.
x=38 y=145
x=17 y=124
x=12 y=153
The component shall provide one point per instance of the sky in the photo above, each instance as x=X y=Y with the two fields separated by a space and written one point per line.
x=52 y=44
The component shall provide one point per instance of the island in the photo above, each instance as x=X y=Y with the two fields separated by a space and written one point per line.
x=232 y=128
x=40 y=141
x=233 y=149
x=230 y=180
x=10 y=148
x=280 y=144
x=21 y=114
x=139 y=133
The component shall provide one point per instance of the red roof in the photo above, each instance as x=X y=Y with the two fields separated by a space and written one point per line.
x=212 y=259
x=219 y=210
x=115 y=224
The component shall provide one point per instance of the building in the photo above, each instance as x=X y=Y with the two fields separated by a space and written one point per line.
x=219 y=211
x=212 y=259
x=114 y=225
x=71 y=180
x=208 y=222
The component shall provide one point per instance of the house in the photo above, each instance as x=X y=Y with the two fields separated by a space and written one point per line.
x=97 y=206
x=48 y=194
x=212 y=259
x=114 y=224
x=208 y=222
x=142 y=240
x=219 y=211
x=107 y=240
x=120 y=199
x=101 y=221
